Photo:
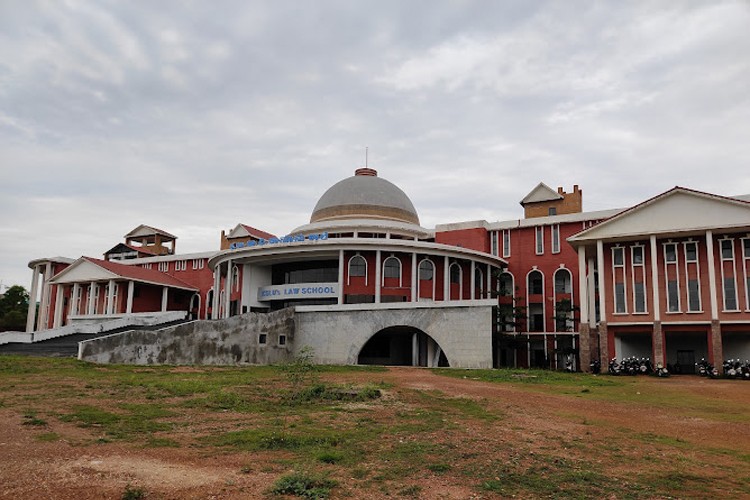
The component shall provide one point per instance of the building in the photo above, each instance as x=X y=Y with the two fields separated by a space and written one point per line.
x=364 y=282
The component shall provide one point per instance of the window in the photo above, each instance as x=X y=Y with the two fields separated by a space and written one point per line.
x=729 y=275
x=638 y=273
x=552 y=211
x=262 y=338
x=746 y=269
x=357 y=266
x=555 y=233
x=198 y=263
x=236 y=278
x=282 y=339
x=536 y=283
x=392 y=268
x=146 y=266
x=494 y=243
x=672 y=277
x=539 y=240
x=562 y=281
x=164 y=266
x=618 y=279
x=455 y=272
x=692 y=276
x=180 y=265
x=426 y=270
x=505 y=285
x=506 y=243
x=478 y=282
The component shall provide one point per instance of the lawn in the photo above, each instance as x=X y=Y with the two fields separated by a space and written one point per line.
x=77 y=430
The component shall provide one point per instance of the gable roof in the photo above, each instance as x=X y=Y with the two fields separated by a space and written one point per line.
x=244 y=231
x=144 y=230
x=677 y=211
x=121 y=247
x=87 y=269
x=541 y=192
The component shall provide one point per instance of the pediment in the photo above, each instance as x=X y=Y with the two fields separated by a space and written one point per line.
x=677 y=211
x=144 y=231
x=541 y=192
x=239 y=231
x=83 y=270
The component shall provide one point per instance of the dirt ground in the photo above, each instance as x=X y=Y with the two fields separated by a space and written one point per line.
x=73 y=468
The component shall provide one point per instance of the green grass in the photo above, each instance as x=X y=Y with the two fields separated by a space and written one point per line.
x=304 y=485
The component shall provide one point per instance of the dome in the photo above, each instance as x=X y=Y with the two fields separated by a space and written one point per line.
x=365 y=196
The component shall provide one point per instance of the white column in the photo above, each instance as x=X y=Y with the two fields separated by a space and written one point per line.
x=131 y=290
x=59 y=294
x=31 y=316
x=472 y=279
x=90 y=304
x=602 y=291
x=341 y=277
x=592 y=293
x=43 y=318
x=655 y=278
x=217 y=292
x=488 y=289
x=414 y=278
x=378 y=271
x=228 y=289
x=446 y=279
x=712 y=275
x=164 y=298
x=73 y=299
x=110 y=297
x=582 y=288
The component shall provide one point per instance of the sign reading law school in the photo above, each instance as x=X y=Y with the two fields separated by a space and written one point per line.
x=299 y=291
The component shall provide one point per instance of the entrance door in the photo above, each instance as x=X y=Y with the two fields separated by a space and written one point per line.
x=686 y=361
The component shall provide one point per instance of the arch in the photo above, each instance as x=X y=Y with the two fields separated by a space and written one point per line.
x=478 y=282
x=402 y=345
x=563 y=300
x=426 y=273
x=196 y=297
x=535 y=308
x=392 y=269
x=455 y=276
x=209 y=302
x=356 y=267
x=506 y=284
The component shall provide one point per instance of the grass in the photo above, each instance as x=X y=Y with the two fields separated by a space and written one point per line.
x=345 y=431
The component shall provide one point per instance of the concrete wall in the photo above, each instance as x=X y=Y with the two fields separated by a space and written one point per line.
x=221 y=342
x=338 y=333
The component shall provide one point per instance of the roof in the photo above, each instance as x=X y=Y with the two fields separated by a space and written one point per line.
x=541 y=192
x=98 y=270
x=534 y=221
x=243 y=231
x=119 y=246
x=144 y=230
x=365 y=196
x=676 y=211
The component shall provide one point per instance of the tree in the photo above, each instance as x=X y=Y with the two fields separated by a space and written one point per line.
x=14 y=305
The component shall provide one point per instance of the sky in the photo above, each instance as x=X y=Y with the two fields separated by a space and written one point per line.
x=195 y=116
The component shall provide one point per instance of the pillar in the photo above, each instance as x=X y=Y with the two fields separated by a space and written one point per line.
x=583 y=286
x=717 y=347
x=657 y=342
x=110 y=297
x=31 y=315
x=378 y=270
x=90 y=304
x=217 y=292
x=341 y=277
x=414 y=278
x=164 y=298
x=131 y=290
x=655 y=278
x=74 y=305
x=228 y=289
x=712 y=276
x=472 y=281
x=584 y=346
x=446 y=279
x=43 y=316
x=59 y=299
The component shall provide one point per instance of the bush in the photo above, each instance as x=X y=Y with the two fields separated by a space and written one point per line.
x=303 y=485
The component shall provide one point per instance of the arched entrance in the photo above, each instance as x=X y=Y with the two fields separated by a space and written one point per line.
x=402 y=346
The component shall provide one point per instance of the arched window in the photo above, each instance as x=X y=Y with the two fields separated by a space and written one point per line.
x=505 y=284
x=535 y=283
x=392 y=269
x=236 y=278
x=478 y=282
x=209 y=302
x=562 y=281
x=455 y=273
x=426 y=270
x=357 y=266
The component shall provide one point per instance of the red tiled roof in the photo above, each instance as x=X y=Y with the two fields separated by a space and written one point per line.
x=257 y=232
x=132 y=247
x=138 y=273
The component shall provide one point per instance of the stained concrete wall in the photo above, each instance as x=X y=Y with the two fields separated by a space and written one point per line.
x=219 y=342
x=338 y=333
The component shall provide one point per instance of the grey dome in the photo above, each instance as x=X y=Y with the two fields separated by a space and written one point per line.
x=365 y=196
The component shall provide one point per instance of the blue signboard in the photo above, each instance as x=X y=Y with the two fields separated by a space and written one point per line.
x=296 y=238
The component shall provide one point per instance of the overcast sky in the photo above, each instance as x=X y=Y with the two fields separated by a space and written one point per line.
x=194 y=116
